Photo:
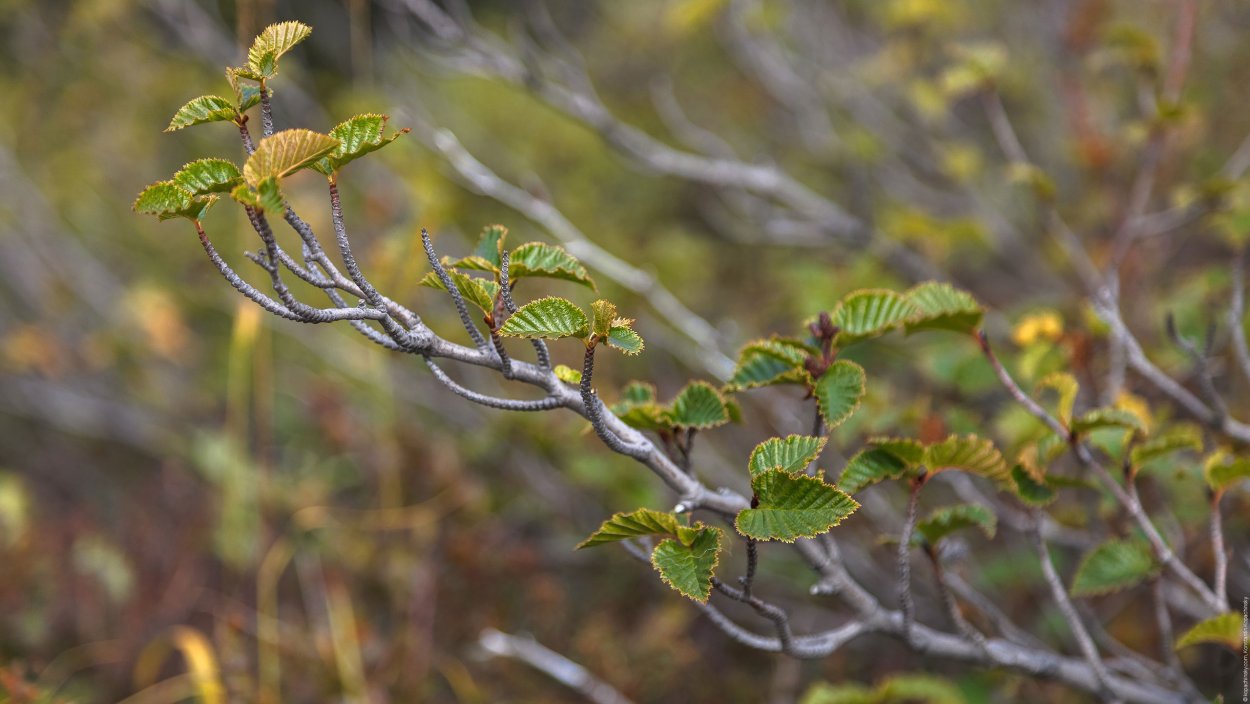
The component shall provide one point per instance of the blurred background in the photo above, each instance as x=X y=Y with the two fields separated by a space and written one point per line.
x=185 y=480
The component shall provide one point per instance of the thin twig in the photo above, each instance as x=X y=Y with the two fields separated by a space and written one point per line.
x=948 y=599
x=1237 y=312
x=506 y=404
x=552 y=664
x=1219 y=552
x=906 y=606
x=452 y=290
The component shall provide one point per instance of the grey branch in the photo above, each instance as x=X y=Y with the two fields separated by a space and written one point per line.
x=550 y=663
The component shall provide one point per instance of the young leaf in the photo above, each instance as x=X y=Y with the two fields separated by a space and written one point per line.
x=165 y=199
x=357 y=136
x=550 y=318
x=1029 y=489
x=567 y=374
x=861 y=315
x=276 y=40
x=1183 y=436
x=266 y=196
x=479 y=292
x=246 y=95
x=490 y=244
x=602 y=313
x=838 y=392
x=791 y=454
x=1067 y=387
x=766 y=362
x=941 y=306
x=637 y=407
x=285 y=153
x=699 y=406
x=634 y=524
x=623 y=338
x=1107 y=418
x=968 y=453
x=1224 y=629
x=1112 y=566
x=638 y=392
x=550 y=261
x=1036 y=457
x=873 y=466
x=948 y=519
x=206 y=108
x=688 y=566
x=1222 y=471
x=793 y=506
x=208 y=176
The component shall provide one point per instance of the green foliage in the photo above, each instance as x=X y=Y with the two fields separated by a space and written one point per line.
x=948 y=519
x=269 y=46
x=622 y=337
x=602 y=315
x=688 y=567
x=1065 y=384
x=1030 y=490
x=791 y=454
x=793 y=506
x=206 y=176
x=265 y=196
x=567 y=374
x=480 y=292
x=699 y=406
x=910 y=688
x=1180 y=437
x=490 y=245
x=1107 y=418
x=777 y=360
x=967 y=453
x=547 y=260
x=638 y=407
x=246 y=95
x=686 y=560
x=1221 y=471
x=877 y=464
x=356 y=137
x=206 y=108
x=940 y=306
x=862 y=315
x=550 y=318
x=1112 y=566
x=284 y=153
x=166 y=200
x=1224 y=629
x=838 y=392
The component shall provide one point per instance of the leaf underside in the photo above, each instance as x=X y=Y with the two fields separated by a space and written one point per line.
x=688 y=568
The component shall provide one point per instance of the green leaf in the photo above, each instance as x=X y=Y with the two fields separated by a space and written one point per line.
x=208 y=176
x=688 y=566
x=906 y=449
x=777 y=360
x=637 y=407
x=941 y=306
x=635 y=524
x=1224 y=629
x=266 y=196
x=791 y=454
x=357 y=136
x=276 y=40
x=1107 y=418
x=206 y=108
x=602 y=313
x=699 y=406
x=948 y=519
x=838 y=392
x=246 y=95
x=1067 y=387
x=490 y=245
x=623 y=338
x=546 y=260
x=550 y=318
x=638 y=392
x=163 y=198
x=1183 y=436
x=910 y=688
x=567 y=374
x=968 y=453
x=869 y=313
x=793 y=506
x=873 y=466
x=1112 y=566
x=479 y=292
x=285 y=153
x=1222 y=471
x=1029 y=489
